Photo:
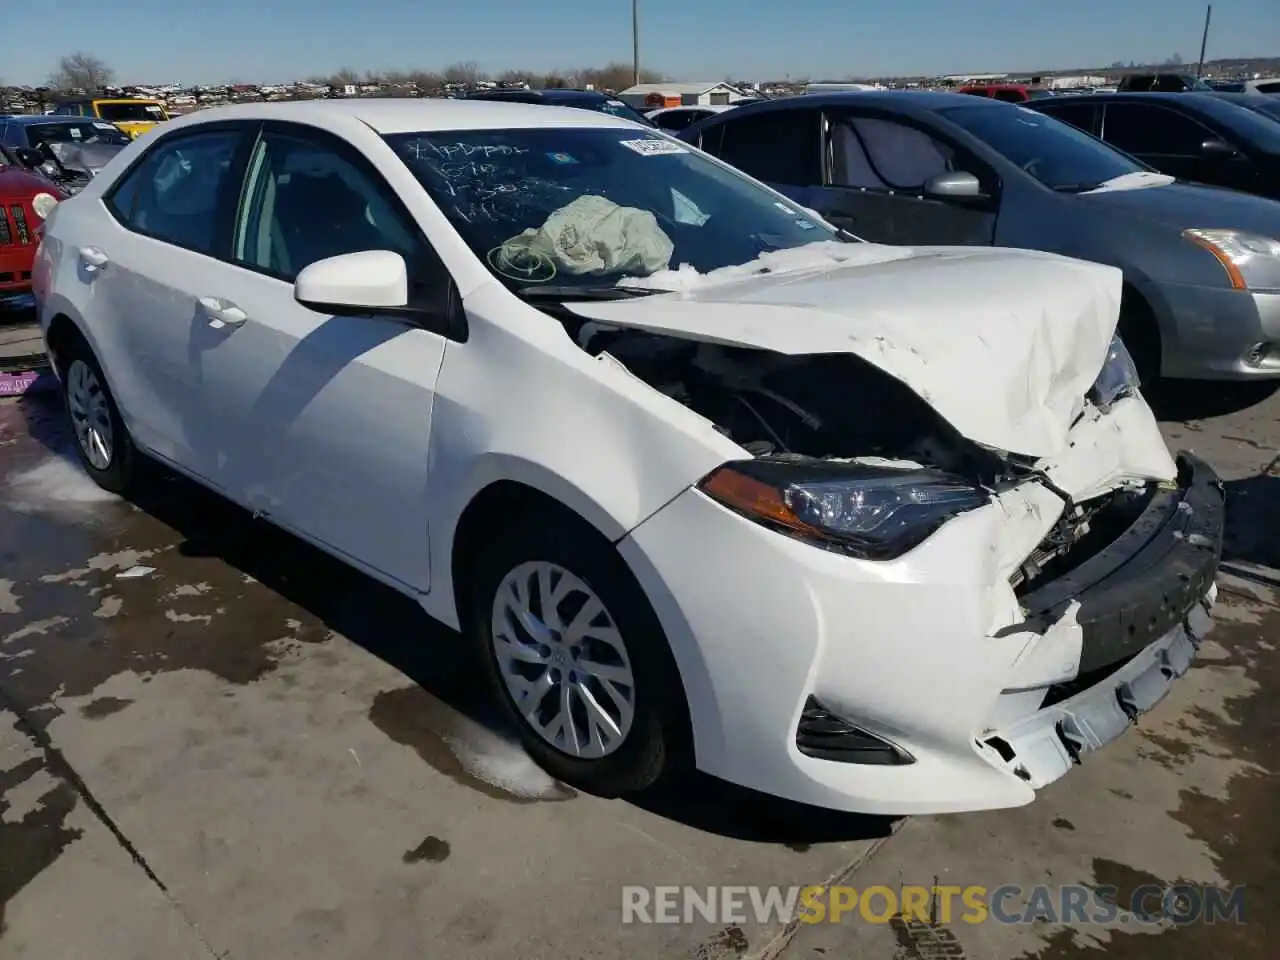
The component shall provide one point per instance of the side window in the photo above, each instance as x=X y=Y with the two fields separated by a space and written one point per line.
x=1080 y=115
x=1011 y=96
x=1143 y=129
x=677 y=119
x=779 y=146
x=173 y=193
x=885 y=154
x=306 y=200
x=1271 y=86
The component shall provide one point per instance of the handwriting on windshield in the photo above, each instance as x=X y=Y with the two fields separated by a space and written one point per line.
x=429 y=150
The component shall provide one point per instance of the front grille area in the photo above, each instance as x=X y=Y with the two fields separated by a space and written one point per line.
x=1083 y=531
x=19 y=216
x=824 y=736
x=17 y=224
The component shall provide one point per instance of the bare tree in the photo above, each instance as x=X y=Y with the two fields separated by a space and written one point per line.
x=428 y=83
x=80 y=71
x=467 y=72
x=614 y=76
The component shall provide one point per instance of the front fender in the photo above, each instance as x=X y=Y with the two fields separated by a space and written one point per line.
x=519 y=401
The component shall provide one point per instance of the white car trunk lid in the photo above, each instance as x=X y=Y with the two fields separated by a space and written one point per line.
x=1002 y=343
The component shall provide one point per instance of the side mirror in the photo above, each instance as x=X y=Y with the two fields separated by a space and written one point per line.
x=29 y=156
x=1218 y=149
x=353 y=284
x=957 y=185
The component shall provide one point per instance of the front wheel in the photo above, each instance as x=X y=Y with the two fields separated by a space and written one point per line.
x=103 y=444
x=575 y=654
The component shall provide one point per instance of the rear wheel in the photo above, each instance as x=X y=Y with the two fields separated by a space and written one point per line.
x=103 y=444
x=576 y=656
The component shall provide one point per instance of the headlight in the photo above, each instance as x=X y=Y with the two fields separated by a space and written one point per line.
x=871 y=512
x=43 y=204
x=1251 y=260
x=1119 y=376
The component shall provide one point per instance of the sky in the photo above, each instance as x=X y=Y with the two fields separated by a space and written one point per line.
x=265 y=41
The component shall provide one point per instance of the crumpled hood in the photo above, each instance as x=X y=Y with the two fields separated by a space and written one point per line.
x=1003 y=343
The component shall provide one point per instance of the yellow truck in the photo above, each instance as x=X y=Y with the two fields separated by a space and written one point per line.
x=131 y=114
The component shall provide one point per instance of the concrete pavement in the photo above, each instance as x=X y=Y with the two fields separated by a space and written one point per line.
x=300 y=760
x=216 y=742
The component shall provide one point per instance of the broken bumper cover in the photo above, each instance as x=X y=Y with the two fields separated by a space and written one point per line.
x=767 y=629
x=1143 y=605
x=1047 y=744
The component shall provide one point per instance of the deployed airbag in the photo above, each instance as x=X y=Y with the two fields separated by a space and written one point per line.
x=591 y=235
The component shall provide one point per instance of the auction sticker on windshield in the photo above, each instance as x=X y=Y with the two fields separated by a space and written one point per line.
x=653 y=148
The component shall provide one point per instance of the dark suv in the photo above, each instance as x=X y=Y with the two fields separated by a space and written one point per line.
x=582 y=99
x=1161 y=83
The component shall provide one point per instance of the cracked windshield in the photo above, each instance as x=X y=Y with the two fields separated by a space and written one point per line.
x=597 y=205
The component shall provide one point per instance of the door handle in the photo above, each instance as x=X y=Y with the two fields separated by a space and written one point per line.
x=222 y=313
x=93 y=258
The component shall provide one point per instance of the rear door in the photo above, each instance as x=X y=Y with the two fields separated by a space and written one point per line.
x=879 y=164
x=170 y=219
x=1165 y=139
x=782 y=148
x=321 y=422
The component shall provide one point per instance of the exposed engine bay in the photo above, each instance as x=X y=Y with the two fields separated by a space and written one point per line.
x=829 y=406
x=839 y=407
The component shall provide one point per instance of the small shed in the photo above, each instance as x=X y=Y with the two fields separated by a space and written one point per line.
x=651 y=96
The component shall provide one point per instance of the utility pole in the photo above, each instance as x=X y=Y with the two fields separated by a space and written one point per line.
x=635 y=41
x=1204 y=39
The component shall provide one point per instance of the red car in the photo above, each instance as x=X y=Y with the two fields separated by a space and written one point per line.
x=26 y=198
x=1010 y=92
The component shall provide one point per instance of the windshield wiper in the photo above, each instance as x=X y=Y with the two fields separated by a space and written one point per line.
x=544 y=292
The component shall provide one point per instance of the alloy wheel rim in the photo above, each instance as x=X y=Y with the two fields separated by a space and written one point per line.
x=563 y=660
x=90 y=416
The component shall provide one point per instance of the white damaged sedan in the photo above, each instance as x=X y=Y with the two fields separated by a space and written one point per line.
x=875 y=528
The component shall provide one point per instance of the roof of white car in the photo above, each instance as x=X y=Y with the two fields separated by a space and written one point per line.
x=391 y=115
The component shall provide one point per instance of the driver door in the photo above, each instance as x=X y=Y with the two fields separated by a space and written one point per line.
x=879 y=166
x=321 y=422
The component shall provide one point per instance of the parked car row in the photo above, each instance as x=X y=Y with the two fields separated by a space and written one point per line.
x=703 y=477
x=1201 y=264
x=70 y=151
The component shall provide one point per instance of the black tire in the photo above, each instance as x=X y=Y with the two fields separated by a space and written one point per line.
x=119 y=474
x=1141 y=338
x=659 y=725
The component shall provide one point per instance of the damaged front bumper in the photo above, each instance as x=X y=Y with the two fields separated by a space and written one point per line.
x=922 y=685
x=1142 y=606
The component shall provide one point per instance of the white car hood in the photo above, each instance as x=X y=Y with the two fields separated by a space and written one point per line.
x=1003 y=343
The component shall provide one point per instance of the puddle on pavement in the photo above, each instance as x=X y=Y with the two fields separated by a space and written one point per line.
x=1241 y=829
x=103 y=707
x=32 y=842
x=462 y=749
x=95 y=586
x=430 y=850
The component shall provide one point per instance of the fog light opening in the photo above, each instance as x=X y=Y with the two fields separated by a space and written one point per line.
x=1257 y=355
